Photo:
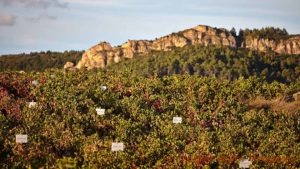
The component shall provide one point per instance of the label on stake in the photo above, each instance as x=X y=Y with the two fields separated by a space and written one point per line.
x=21 y=138
x=103 y=88
x=35 y=83
x=177 y=120
x=245 y=163
x=117 y=147
x=100 y=111
x=32 y=104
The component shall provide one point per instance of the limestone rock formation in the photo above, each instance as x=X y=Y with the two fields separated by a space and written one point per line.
x=104 y=54
x=288 y=46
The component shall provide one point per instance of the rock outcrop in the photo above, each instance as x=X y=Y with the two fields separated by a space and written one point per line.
x=104 y=54
x=287 y=46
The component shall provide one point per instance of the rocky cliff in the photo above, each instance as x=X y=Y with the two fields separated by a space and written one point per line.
x=104 y=54
x=284 y=46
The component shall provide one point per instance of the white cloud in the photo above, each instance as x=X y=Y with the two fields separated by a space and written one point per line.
x=7 y=20
x=36 y=3
x=19 y=8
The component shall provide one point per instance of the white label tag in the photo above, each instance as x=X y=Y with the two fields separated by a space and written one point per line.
x=103 y=88
x=35 y=83
x=177 y=120
x=32 y=104
x=21 y=138
x=245 y=163
x=100 y=111
x=117 y=147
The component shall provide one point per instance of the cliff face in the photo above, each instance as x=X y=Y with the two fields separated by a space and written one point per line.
x=288 y=46
x=104 y=54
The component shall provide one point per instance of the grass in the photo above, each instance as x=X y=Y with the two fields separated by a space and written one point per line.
x=277 y=105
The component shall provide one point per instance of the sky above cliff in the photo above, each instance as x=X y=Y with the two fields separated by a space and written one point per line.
x=59 y=25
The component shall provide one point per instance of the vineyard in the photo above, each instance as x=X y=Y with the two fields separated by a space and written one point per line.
x=220 y=125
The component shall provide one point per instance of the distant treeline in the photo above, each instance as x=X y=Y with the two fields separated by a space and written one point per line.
x=38 y=61
x=270 y=33
x=223 y=63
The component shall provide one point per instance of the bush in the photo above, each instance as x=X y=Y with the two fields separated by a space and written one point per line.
x=218 y=128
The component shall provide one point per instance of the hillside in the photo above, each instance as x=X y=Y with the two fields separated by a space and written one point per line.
x=38 y=61
x=222 y=122
x=220 y=62
x=211 y=61
x=199 y=98
x=265 y=40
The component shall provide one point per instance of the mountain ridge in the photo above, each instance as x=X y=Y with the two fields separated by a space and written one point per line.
x=103 y=54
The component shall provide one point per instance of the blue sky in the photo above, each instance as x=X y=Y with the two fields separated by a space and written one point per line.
x=59 y=25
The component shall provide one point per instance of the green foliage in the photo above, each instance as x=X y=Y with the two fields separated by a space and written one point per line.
x=207 y=86
x=38 y=61
x=223 y=63
x=271 y=33
x=218 y=128
x=233 y=32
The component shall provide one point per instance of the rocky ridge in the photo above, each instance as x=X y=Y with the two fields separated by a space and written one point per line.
x=287 y=46
x=104 y=54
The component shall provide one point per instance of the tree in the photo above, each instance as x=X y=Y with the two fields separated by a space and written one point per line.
x=233 y=31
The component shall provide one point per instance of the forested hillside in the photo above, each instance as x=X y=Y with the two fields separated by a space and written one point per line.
x=38 y=61
x=223 y=63
x=271 y=33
